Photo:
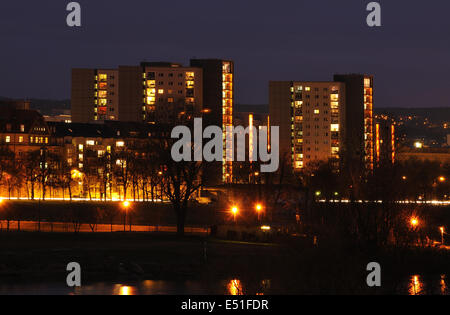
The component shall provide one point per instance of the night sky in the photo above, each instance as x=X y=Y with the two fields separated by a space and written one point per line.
x=268 y=40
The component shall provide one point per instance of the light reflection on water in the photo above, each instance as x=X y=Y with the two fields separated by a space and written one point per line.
x=148 y=287
x=419 y=285
x=413 y=285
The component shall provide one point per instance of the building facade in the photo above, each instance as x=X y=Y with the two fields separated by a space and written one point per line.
x=218 y=97
x=158 y=92
x=324 y=121
x=310 y=116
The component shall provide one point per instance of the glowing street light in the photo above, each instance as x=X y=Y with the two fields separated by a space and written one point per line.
x=125 y=205
x=414 y=222
x=442 y=179
x=235 y=211
x=258 y=208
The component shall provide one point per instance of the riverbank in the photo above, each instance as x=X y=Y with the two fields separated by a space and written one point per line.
x=291 y=266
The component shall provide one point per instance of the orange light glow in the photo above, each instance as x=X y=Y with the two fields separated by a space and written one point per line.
x=414 y=221
x=235 y=287
x=234 y=210
x=126 y=204
x=126 y=290
x=415 y=286
x=258 y=207
x=442 y=179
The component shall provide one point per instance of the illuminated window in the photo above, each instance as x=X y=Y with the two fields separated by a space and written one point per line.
x=22 y=128
x=170 y=100
x=102 y=94
x=334 y=127
x=8 y=139
x=160 y=91
x=90 y=142
x=80 y=147
x=103 y=77
x=121 y=163
x=20 y=139
x=120 y=143
x=334 y=97
x=100 y=153
x=367 y=82
x=307 y=88
x=316 y=111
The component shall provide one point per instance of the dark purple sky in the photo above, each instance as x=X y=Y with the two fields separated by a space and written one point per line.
x=268 y=40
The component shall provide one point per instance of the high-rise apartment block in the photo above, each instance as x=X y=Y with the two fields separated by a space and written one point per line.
x=359 y=123
x=218 y=98
x=324 y=121
x=157 y=92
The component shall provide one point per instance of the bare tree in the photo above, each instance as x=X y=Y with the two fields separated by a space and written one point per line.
x=181 y=180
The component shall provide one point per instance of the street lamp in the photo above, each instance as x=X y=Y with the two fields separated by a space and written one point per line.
x=442 y=179
x=258 y=208
x=414 y=222
x=234 y=210
x=125 y=205
x=442 y=234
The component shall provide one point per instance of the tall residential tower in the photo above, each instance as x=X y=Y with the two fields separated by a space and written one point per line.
x=324 y=121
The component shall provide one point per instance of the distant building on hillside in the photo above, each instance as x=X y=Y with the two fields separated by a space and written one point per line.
x=17 y=104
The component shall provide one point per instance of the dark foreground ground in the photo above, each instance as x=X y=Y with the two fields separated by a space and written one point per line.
x=293 y=266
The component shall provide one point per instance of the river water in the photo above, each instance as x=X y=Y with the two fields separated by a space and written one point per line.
x=412 y=285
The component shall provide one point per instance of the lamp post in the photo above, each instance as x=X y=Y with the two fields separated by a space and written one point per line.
x=125 y=205
x=234 y=210
x=414 y=222
x=258 y=208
